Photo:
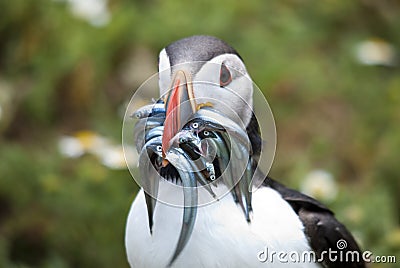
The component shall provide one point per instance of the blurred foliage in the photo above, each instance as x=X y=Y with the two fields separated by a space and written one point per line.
x=60 y=73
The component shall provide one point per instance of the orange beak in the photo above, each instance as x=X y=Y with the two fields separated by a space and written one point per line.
x=180 y=105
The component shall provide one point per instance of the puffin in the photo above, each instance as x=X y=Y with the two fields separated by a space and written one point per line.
x=231 y=226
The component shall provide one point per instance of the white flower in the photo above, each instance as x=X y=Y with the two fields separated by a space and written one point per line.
x=111 y=155
x=70 y=147
x=376 y=52
x=114 y=157
x=94 y=11
x=320 y=184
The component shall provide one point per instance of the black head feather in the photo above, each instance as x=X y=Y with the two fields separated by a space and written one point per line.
x=197 y=48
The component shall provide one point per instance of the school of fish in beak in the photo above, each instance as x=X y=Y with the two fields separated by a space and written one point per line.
x=204 y=152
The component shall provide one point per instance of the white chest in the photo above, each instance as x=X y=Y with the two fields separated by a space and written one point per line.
x=221 y=235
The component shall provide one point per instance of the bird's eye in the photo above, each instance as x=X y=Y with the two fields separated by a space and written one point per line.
x=195 y=125
x=225 y=76
x=206 y=133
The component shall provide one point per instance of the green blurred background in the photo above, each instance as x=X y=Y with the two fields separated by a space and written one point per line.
x=329 y=69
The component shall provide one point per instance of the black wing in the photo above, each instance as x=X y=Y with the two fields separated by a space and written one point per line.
x=322 y=228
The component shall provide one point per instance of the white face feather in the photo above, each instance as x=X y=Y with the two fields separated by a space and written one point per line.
x=234 y=99
x=164 y=70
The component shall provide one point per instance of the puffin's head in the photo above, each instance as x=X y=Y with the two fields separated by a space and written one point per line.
x=202 y=71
